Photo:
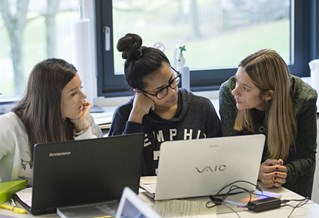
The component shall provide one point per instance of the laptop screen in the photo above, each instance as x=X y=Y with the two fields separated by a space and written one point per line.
x=85 y=171
x=201 y=167
x=132 y=207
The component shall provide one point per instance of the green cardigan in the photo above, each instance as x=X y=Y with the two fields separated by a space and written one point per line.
x=301 y=161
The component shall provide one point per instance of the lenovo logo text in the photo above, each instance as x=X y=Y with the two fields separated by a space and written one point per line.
x=57 y=154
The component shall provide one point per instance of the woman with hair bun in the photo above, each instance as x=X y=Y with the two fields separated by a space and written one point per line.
x=159 y=108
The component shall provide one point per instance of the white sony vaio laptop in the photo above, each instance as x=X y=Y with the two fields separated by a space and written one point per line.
x=202 y=167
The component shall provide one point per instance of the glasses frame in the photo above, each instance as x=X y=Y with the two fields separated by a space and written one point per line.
x=169 y=85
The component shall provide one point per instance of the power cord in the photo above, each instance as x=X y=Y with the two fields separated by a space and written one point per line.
x=259 y=205
x=233 y=189
x=239 y=181
x=302 y=202
x=220 y=198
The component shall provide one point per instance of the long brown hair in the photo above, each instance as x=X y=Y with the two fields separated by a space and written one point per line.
x=268 y=71
x=40 y=107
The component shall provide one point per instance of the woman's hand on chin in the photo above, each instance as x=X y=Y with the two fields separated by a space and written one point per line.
x=81 y=123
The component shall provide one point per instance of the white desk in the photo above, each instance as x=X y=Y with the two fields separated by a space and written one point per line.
x=310 y=210
x=199 y=209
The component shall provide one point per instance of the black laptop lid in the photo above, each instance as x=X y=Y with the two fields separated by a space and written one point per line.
x=85 y=171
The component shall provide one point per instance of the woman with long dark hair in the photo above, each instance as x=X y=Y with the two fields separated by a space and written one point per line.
x=53 y=109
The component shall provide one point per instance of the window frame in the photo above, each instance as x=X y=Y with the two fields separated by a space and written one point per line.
x=304 y=41
x=7 y=101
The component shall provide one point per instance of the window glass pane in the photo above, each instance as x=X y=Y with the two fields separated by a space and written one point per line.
x=216 y=33
x=31 y=31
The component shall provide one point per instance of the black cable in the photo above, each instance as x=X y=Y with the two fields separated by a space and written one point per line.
x=235 y=187
x=231 y=209
x=238 y=181
x=302 y=202
x=219 y=199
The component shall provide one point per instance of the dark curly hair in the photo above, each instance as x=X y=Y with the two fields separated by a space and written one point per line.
x=140 y=60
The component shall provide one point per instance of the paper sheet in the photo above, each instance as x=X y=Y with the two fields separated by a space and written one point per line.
x=25 y=195
x=195 y=207
x=148 y=179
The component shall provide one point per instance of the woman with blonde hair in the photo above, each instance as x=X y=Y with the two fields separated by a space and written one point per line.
x=264 y=98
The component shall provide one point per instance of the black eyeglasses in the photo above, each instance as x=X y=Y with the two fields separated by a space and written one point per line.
x=162 y=93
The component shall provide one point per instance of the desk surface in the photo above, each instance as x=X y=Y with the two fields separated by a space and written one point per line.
x=196 y=208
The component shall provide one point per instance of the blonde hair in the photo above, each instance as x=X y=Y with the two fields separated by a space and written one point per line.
x=268 y=71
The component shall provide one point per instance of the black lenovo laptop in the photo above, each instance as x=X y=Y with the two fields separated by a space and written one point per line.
x=85 y=171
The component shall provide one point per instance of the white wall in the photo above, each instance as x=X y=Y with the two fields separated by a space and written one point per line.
x=315 y=189
x=84 y=49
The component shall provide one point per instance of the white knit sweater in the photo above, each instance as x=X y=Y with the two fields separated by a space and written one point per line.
x=14 y=148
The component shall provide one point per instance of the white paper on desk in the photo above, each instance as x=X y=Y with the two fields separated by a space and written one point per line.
x=25 y=195
x=148 y=183
x=150 y=188
x=148 y=179
x=193 y=207
x=102 y=118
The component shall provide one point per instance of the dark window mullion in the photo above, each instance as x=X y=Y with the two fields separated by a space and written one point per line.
x=109 y=84
x=115 y=85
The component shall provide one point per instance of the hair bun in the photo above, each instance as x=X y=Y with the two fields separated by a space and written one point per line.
x=130 y=46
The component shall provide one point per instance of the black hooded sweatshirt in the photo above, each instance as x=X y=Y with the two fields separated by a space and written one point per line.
x=195 y=118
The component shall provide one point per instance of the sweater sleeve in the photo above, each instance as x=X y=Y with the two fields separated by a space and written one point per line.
x=93 y=131
x=120 y=124
x=227 y=109
x=301 y=164
x=12 y=137
x=7 y=152
x=213 y=128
